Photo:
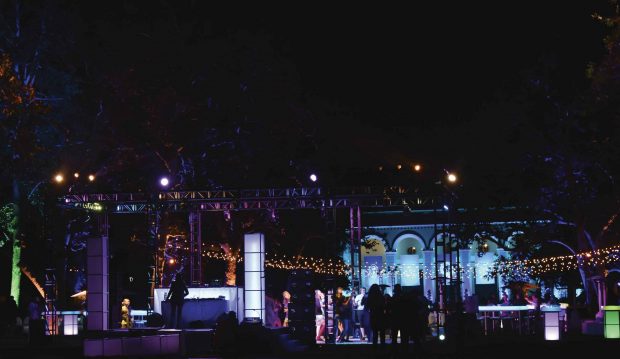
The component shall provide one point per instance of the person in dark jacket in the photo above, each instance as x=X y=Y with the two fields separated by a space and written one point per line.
x=176 y=295
x=376 y=307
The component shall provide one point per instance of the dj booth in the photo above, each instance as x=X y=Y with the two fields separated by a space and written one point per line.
x=202 y=305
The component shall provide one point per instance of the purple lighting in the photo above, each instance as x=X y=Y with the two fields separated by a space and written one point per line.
x=164 y=182
x=313 y=177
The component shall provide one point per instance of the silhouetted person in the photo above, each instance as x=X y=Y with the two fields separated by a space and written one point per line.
x=36 y=324
x=519 y=300
x=397 y=309
x=11 y=314
x=410 y=320
x=376 y=307
x=176 y=296
x=226 y=333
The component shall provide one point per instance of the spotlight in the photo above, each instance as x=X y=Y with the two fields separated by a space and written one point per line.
x=451 y=177
x=313 y=177
x=76 y=175
x=445 y=206
x=171 y=261
x=442 y=337
x=164 y=182
x=59 y=178
x=91 y=178
x=417 y=167
x=399 y=166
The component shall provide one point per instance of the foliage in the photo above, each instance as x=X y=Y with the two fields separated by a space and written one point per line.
x=8 y=223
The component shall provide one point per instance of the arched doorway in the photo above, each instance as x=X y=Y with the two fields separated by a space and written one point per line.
x=408 y=248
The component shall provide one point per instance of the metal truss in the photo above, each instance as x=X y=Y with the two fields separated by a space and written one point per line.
x=253 y=199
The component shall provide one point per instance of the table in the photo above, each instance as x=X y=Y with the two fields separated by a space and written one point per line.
x=234 y=296
x=485 y=309
x=205 y=310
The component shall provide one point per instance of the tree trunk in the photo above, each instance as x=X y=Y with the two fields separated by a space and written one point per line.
x=16 y=273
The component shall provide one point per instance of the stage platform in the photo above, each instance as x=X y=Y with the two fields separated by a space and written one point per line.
x=148 y=342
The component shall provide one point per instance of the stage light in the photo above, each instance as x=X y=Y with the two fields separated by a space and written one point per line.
x=91 y=178
x=59 y=178
x=164 y=182
x=76 y=175
x=380 y=168
x=451 y=177
x=417 y=167
x=442 y=337
x=398 y=167
x=446 y=207
x=313 y=177
x=171 y=261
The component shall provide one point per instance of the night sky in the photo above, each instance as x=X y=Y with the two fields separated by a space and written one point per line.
x=392 y=66
x=406 y=80
x=375 y=86
x=428 y=63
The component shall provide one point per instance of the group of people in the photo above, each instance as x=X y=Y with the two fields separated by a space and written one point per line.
x=404 y=313
x=377 y=314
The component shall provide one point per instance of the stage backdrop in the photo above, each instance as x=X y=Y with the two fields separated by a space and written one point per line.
x=234 y=295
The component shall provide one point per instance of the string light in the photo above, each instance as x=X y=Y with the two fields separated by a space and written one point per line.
x=537 y=266
x=318 y=265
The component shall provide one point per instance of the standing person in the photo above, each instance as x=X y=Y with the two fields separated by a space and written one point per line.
x=397 y=317
x=358 y=305
x=319 y=313
x=176 y=296
x=366 y=318
x=376 y=307
x=36 y=325
x=286 y=299
x=126 y=321
x=342 y=314
x=347 y=315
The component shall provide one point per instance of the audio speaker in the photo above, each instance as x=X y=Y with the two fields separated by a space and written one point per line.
x=154 y=320
x=301 y=311
x=303 y=330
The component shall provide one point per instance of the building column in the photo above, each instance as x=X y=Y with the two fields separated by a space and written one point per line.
x=390 y=263
x=98 y=293
x=428 y=274
x=500 y=281
x=465 y=276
